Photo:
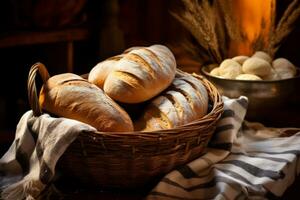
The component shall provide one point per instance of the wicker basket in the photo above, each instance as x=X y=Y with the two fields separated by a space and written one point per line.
x=132 y=159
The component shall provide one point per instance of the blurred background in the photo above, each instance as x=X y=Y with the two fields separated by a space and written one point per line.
x=74 y=35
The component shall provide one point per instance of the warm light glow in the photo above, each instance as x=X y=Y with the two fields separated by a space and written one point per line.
x=254 y=19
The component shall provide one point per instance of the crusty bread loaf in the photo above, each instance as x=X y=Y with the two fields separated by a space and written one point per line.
x=68 y=95
x=139 y=75
x=184 y=101
x=99 y=73
x=132 y=48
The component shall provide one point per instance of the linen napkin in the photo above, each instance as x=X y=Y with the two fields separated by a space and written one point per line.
x=29 y=164
x=244 y=161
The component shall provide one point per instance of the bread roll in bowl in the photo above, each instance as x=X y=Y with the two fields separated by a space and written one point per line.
x=215 y=71
x=257 y=66
x=247 y=77
x=262 y=55
x=240 y=59
x=284 y=68
x=272 y=76
x=230 y=69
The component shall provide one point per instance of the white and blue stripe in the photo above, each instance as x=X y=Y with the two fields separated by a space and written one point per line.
x=244 y=161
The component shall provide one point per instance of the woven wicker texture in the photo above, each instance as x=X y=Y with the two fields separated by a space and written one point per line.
x=132 y=159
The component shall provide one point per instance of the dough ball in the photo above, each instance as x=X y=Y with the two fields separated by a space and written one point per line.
x=284 y=68
x=240 y=59
x=215 y=72
x=272 y=76
x=230 y=69
x=248 y=77
x=263 y=55
x=257 y=66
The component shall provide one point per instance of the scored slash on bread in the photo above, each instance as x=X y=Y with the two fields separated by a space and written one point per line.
x=184 y=101
x=137 y=75
x=141 y=75
x=99 y=73
x=68 y=95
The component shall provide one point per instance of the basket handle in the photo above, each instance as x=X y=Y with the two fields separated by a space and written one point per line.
x=31 y=86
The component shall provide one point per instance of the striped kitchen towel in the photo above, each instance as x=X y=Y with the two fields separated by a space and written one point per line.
x=244 y=161
x=28 y=166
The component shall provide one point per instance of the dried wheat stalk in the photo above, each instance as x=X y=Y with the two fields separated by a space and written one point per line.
x=284 y=27
x=273 y=17
x=196 y=50
x=227 y=24
x=199 y=20
x=211 y=25
x=224 y=9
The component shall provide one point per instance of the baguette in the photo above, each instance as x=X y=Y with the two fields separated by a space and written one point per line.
x=99 y=73
x=68 y=95
x=184 y=101
x=141 y=73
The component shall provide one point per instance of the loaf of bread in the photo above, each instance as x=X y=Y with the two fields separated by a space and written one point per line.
x=141 y=73
x=184 y=101
x=99 y=73
x=68 y=95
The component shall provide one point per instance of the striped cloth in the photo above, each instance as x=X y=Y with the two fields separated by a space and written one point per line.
x=28 y=167
x=244 y=161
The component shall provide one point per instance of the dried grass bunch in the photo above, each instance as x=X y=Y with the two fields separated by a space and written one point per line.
x=212 y=26
x=285 y=25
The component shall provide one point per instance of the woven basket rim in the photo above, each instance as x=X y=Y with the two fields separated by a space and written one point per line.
x=211 y=117
x=138 y=157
